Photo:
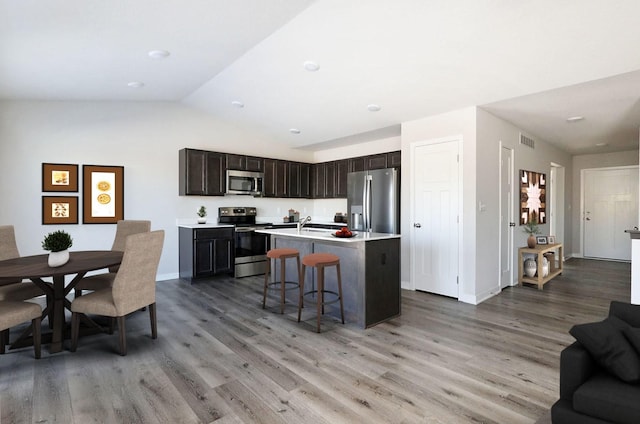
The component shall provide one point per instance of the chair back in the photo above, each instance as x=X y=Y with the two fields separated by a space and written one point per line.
x=124 y=229
x=134 y=286
x=8 y=248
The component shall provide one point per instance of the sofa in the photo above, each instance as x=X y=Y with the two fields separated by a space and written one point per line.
x=600 y=372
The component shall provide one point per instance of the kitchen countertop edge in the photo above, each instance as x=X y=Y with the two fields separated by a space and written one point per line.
x=326 y=235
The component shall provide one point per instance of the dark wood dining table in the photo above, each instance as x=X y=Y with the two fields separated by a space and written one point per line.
x=35 y=268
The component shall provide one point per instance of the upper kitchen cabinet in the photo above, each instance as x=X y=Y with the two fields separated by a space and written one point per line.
x=201 y=173
x=245 y=163
x=275 y=178
x=376 y=161
x=357 y=164
x=394 y=159
x=299 y=180
x=318 y=181
x=342 y=169
x=330 y=180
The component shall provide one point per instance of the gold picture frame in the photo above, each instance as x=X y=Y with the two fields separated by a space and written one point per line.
x=59 y=177
x=103 y=194
x=59 y=210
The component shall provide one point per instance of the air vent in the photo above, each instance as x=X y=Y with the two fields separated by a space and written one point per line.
x=529 y=142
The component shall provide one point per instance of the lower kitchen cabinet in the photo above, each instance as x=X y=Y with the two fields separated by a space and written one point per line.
x=205 y=252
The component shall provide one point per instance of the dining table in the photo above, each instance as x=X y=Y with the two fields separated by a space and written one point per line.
x=36 y=268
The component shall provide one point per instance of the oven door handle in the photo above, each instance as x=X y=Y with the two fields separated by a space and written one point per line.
x=244 y=230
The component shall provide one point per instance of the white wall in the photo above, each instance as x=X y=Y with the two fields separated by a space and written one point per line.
x=460 y=123
x=142 y=137
x=491 y=131
x=580 y=162
x=145 y=139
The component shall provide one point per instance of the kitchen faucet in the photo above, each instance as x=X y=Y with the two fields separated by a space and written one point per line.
x=303 y=222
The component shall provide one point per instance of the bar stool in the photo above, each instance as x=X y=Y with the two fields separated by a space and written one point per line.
x=320 y=261
x=283 y=254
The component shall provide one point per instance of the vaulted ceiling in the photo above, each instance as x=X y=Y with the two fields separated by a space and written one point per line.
x=532 y=62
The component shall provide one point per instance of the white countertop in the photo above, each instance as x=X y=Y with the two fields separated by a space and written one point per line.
x=326 y=235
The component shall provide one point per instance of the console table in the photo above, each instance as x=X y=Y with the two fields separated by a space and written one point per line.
x=539 y=251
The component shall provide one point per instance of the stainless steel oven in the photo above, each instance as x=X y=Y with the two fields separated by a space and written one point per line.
x=250 y=247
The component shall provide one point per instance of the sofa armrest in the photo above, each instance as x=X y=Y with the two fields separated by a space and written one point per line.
x=576 y=366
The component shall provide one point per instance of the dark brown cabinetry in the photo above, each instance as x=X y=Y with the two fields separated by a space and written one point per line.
x=205 y=252
x=201 y=173
x=376 y=161
x=275 y=178
x=204 y=173
x=245 y=163
x=394 y=159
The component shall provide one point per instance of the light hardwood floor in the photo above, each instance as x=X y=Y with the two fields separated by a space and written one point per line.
x=221 y=358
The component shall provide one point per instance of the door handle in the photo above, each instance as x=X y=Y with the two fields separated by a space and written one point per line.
x=588 y=219
x=512 y=224
x=417 y=225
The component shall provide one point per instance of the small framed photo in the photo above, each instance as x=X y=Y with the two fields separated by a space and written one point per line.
x=541 y=240
x=551 y=239
x=59 y=210
x=103 y=194
x=59 y=177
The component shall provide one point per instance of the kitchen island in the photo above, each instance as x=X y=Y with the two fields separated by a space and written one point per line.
x=370 y=266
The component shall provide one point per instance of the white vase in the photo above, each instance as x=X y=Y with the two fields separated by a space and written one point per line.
x=545 y=267
x=58 y=258
x=530 y=267
x=202 y=220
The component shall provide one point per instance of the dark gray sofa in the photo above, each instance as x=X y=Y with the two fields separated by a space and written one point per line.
x=589 y=394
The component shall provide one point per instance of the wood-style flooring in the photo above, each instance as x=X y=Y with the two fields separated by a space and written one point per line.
x=221 y=358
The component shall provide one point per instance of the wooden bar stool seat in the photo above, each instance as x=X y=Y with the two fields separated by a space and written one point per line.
x=282 y=254
x=320 y=261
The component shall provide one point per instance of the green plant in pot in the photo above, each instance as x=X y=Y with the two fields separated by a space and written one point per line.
x=532 y=229
x=58 y=243
x=202 y=215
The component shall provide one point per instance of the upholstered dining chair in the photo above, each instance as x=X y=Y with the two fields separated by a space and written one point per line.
x=134 y=287
x=14 y=313
x=124 y=228
x=14 y=290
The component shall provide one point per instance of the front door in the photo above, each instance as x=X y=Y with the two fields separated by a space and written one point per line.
x=610 y=207
x=434 y=247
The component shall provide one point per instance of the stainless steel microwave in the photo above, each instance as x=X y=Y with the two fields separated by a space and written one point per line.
x=244 y=182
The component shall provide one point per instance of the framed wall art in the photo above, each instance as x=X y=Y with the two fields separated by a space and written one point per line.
x=59 y=177
x=59 y=210
x=103 y=194
x=533 y=201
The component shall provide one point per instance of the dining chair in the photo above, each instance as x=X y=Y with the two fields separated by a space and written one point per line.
x=124 y=228
x=14 y=290
x=134 y=287
x=14 y=313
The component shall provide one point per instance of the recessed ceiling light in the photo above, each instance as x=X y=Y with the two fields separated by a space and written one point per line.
x=237 y=103
x=373 y=107
x=135 y=84
x=311 y=66
x=601 y=144
x=158 y=54
x=294 y=131
x=575 y=118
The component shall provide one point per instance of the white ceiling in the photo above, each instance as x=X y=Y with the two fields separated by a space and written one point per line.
x=532 y=62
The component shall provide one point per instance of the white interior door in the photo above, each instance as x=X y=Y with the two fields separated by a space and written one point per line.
x=507 y=221
x=610 y=207
x=434 y=246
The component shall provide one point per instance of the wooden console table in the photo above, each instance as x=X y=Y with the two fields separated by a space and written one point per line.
x=540 y=250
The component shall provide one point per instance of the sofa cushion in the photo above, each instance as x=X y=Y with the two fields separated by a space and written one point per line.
x=609 y=347
x=625 y=311
x=633 y=335
x=604 y=396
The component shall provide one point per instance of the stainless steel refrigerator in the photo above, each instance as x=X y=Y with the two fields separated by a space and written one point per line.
x=373 y=200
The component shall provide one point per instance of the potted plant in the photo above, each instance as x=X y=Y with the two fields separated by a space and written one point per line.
x=202 y=215
x=58 y=243
x=532 y=229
